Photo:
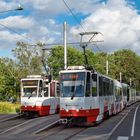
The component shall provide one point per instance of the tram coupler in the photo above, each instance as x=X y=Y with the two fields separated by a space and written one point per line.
x=63 y=121
x=66 y=121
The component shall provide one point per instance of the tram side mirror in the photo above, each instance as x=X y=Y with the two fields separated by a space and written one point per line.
x=94 y=77
x=49 y=78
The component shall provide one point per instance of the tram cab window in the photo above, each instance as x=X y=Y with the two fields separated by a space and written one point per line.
x=46 y=92
x=94 y=85
x=88 y=85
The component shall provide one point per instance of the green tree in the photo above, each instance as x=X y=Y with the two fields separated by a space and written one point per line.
x=127 y=62
x=29 y=58
x=56 y=59
x=7 y=79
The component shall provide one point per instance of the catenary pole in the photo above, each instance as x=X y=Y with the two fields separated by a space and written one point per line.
x=65 y=46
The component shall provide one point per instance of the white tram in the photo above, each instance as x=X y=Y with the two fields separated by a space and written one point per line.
x=39 y=96
x=88 y=97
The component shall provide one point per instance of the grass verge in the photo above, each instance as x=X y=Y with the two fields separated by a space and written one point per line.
x=8 y=108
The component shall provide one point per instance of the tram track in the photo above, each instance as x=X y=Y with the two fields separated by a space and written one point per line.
x=26 y=126
x=75 y=133
x=6 y=117
x=60 y=131
x=9 y=123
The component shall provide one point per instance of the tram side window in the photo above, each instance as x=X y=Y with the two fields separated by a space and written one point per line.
x=118 y=93
x=104 y=89
x=124 y=91
x=111 y=88
x=58 y=90
x=94 y=86
x=128 y=94
x=88 y=85
x=108 y=89
x=100 y=86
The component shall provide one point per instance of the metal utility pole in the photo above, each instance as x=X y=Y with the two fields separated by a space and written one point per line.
x=130 y=82
x=106 y=67
x=65 y=46
x=120 y=77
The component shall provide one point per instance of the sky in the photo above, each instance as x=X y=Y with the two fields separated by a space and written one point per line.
x=118 y=21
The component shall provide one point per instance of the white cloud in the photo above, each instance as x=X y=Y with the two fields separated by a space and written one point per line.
x=118 y=22
x=7 y=6
x=19 y=22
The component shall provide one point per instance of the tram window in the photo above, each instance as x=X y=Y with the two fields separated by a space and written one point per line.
x=107 y=89
x=118 y=93
x=94 y=77
x=88 y=81
x=100 y=86
x=124 y=91
x=58 y=90
x=104 y=88
x=111 y=88
x=94 y=85
x=46 y=92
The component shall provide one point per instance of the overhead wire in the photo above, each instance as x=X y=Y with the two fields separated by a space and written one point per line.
x=15 y=32
x=74 y=16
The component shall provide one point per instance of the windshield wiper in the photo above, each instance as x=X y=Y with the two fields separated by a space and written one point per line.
x=73 y=92
x=30 y=96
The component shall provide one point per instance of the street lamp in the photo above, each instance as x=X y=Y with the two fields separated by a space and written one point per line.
x=18 y=8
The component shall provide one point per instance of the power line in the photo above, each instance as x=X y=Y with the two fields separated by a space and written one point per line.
x=73 y=15
x=51 y=44
x=15 y=32
x=77 y=19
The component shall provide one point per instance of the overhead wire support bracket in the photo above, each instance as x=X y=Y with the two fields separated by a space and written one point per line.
x=85 y=44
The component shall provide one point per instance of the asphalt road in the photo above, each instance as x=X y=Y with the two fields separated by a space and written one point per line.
x=129 y=129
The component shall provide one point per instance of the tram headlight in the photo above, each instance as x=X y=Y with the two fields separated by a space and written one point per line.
x=67 y=110
x=77 y=110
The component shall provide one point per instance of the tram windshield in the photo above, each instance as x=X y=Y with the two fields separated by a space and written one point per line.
x=72 y=84
x=30 y=92
x=29 y=88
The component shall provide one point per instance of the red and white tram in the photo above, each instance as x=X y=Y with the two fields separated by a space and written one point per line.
x=88 y=97
x=39 y=96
